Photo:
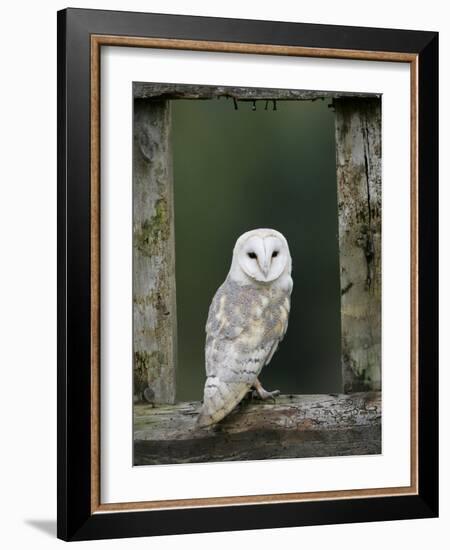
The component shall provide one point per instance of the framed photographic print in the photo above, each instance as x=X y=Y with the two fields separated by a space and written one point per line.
x=247 y=255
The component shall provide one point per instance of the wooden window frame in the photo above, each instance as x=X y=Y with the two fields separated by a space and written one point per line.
x=348 y=423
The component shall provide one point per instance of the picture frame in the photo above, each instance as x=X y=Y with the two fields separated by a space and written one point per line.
x=81 y=35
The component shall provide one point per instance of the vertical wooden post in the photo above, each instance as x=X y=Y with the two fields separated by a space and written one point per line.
x=154 y=306
x=358 y=160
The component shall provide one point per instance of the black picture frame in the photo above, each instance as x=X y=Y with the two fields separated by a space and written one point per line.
x=75 y=478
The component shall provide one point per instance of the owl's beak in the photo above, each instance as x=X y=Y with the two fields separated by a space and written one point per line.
x=265 y=267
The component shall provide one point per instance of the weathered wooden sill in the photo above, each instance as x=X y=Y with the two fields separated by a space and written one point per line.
x=295 y=426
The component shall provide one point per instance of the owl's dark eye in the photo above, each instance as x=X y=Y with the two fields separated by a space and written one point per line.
x=274 y=253
x=251 y=255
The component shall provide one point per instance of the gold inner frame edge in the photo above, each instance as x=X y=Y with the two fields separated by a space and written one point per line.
x=261 y=49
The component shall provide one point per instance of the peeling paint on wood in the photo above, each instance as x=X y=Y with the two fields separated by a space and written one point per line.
x=293 y=426
x=154 y=306
x=358 y=166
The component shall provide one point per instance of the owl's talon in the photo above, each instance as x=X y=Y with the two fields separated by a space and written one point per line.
x=273 y=394
x=264 y=394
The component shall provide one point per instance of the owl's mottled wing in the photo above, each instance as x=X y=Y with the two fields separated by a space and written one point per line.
x=242 y=335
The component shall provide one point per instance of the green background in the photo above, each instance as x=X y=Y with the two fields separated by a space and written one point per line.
x=236 y=170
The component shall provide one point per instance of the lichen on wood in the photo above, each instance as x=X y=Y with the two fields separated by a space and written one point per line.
x=154 y=307
x=294 y=426
x=358 y=167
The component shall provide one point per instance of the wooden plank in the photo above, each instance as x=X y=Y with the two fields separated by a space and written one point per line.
x=159 y=91
x=154 y=306
x=293 y=426
x=358 y=165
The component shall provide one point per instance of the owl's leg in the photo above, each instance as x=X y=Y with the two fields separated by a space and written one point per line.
x=264 y=394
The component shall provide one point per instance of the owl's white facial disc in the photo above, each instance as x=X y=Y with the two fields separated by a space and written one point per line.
x=262 y=254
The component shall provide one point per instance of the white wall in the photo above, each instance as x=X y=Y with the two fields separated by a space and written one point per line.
x=28 y=270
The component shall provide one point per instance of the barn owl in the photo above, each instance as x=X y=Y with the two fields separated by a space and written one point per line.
x=247 y=319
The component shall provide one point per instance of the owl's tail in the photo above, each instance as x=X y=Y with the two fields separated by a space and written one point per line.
x=219 y=399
